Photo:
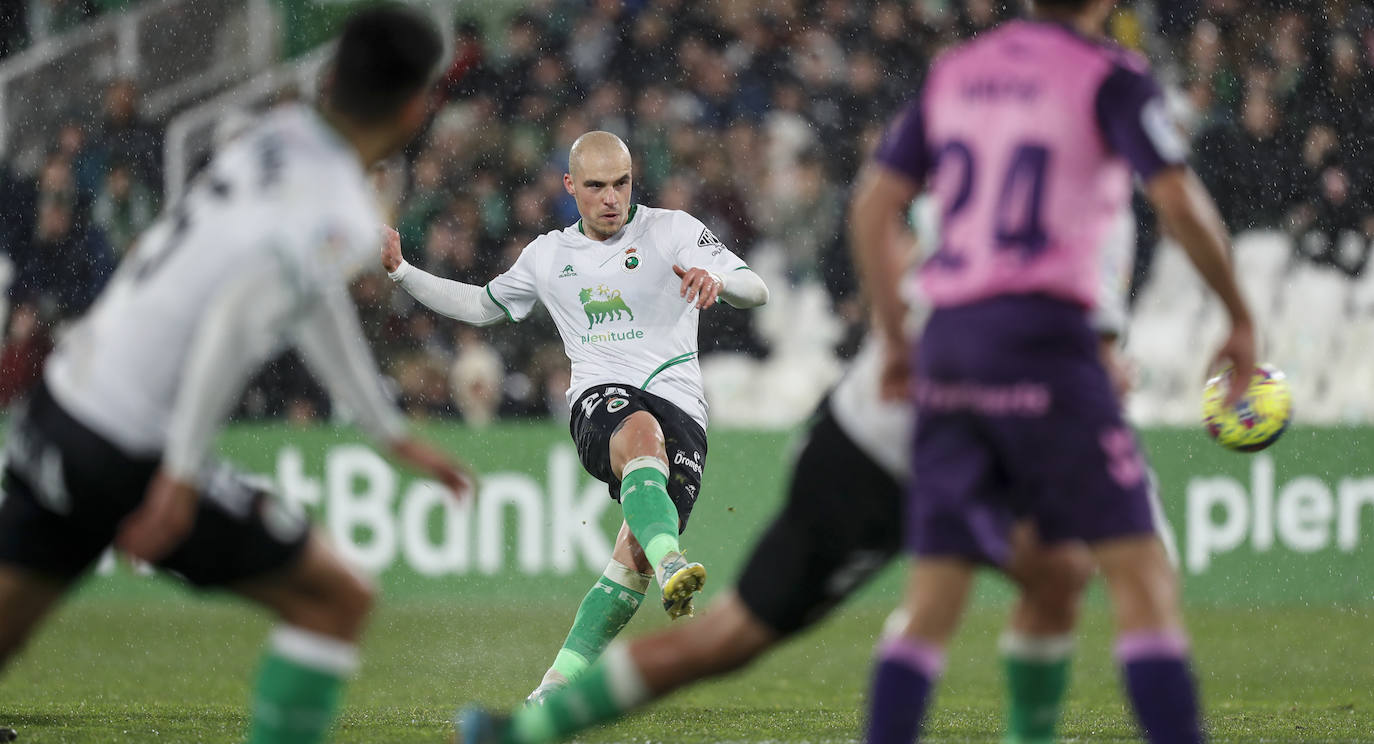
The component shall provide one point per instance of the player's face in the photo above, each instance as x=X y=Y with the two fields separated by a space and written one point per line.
x=601 y=185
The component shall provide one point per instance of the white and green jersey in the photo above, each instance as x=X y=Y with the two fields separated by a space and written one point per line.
x=616 y=301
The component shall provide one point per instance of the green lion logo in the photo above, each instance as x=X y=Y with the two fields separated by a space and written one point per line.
x=609 y=306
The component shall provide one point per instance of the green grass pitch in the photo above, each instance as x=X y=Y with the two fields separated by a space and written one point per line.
x=168 y=669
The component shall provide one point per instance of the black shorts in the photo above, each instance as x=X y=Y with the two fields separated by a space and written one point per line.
x=599 y=411
x=842 y=523
x=65 y=490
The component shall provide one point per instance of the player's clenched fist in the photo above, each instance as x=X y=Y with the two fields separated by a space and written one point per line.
x=391 y=249
x=699 y=285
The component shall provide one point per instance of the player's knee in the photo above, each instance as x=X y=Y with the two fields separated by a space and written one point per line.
x=638 y=435
x=1063 y=576
x=336 y=603
x=355 y=599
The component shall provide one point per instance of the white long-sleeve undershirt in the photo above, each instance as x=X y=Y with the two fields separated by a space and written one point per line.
x=743 y=289
x=466 y=302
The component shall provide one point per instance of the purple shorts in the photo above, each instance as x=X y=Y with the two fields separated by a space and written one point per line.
x=1016 y=419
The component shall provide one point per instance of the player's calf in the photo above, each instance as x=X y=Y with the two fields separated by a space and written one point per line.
x=1151 y=646
x=324 y=606
x=1037 y=646
x=26 y=599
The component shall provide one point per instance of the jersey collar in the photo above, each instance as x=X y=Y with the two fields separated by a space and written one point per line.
x=631 y=218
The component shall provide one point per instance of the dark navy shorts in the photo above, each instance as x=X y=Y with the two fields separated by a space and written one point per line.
x=598 y=414
x=1017 y=419
x=65 y=490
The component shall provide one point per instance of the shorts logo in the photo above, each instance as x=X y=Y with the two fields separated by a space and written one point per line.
x=615 y=404
x=1124 y=462
x=632 y=260
x=607 y=305
x=694 y=463
x=567 y=272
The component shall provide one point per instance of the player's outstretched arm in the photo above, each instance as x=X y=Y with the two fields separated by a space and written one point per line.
x=1191 y=217
x=465 y=302
x=881 y=255
x=741 y=289
x=331 y=343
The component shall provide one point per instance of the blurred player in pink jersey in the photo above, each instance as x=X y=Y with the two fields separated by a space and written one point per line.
x=1028 y=137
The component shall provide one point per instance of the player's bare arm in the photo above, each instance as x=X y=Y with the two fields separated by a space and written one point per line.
x=1191 y=217
x=881 y=255
x=391 y=250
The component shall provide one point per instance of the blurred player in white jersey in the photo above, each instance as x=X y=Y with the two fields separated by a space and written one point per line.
x=114 y=445
x=625 y=286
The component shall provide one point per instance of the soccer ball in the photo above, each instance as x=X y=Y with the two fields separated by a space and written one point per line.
x=1258 y=420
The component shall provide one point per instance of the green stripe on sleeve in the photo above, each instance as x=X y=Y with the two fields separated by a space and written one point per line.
x=679 y=359
x=509 y=317
x=742 y=268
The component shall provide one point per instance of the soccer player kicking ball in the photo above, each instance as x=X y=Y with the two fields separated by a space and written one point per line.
x=1028 y=137
x=625 y=286
x=113 y=445
x=841 y=525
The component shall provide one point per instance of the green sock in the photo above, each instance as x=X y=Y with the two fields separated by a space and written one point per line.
x=604 y=612
x=606 y=690
x=1037 y=670
x=298 y=688
x=648 y=509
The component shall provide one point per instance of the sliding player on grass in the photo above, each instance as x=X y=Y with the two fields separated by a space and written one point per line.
x=625 y=285
x=1028 y=137
x=113 y=445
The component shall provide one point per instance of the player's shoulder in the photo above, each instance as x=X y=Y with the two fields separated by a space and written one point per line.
x=660 y=218
x=551 y=240
x=1123 y=60
x=547 y=244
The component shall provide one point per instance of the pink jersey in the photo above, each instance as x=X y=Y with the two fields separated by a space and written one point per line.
x=1028 y=136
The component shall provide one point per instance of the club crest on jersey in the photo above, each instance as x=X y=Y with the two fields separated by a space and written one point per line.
x=567 y=272
x=603 y=304
x=631 y=260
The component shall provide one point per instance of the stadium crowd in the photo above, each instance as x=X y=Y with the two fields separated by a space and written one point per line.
x=754 y=121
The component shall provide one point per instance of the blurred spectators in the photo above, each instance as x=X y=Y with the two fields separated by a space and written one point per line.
x=125 y=137
x=25 y=346
x=64 y=263
x=124 y=208
x=754 y=117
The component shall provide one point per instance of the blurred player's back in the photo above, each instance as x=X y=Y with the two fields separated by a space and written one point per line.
x=287 y=198
x=1029 y=186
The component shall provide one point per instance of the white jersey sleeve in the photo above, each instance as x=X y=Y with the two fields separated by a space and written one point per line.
x=516 y=290
x=330 y=340
x=698 y=247
x=462 y=302
x=238 y=332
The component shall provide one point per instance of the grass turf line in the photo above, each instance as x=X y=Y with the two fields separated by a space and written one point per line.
x=169 y=670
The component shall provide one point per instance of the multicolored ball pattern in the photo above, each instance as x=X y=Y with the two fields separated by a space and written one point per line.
x=1258 y=420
